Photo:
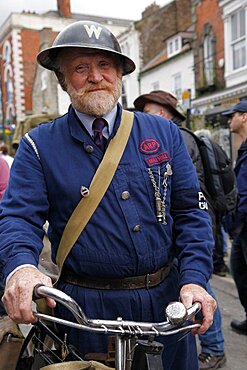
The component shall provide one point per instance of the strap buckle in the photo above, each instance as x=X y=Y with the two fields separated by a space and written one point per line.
x=147 y=281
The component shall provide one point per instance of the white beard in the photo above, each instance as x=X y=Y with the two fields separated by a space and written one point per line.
x=96 y=103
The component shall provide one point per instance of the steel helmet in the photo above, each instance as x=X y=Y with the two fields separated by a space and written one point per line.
x=88 y=35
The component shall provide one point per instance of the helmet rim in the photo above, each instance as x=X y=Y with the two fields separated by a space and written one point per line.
x=45 y=60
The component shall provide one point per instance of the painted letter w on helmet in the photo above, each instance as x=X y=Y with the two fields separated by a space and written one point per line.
x=93 y=30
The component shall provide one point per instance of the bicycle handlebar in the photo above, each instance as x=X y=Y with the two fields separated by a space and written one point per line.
x=177 y=315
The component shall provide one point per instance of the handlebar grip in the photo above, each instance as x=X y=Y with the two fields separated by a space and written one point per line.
x=42 y=291
x=194 y=309
x=36 y=294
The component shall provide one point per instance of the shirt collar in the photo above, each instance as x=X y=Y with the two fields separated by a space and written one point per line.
x=87 y=121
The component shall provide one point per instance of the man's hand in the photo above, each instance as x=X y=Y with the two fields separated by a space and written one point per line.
x=18 y=294
x=192 y=293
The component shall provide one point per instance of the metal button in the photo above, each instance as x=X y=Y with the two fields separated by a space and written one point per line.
x=137 y=228
x=89 y=148
x=125 y=195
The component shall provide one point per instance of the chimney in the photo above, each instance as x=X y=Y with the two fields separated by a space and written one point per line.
x=63 y=7
x=150 y=9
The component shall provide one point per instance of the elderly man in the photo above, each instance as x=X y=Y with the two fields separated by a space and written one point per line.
x=127 y=237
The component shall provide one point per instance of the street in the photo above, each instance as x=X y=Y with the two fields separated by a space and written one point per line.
x=230 y=307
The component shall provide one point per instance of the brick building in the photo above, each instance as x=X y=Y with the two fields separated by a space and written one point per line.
x=208 y=46
x=158 y=24
x=220 y=47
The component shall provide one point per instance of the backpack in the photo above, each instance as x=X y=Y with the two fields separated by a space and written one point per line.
x=219 y=176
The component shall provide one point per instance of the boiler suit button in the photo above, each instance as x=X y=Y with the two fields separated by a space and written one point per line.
x=89 y=148
x=137 y=228
x=125 y=195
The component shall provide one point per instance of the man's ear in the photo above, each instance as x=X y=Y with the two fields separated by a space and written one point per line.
x=163 y=113
x=244 y=117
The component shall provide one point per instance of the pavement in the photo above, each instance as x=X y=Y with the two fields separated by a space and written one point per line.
x=231 y=308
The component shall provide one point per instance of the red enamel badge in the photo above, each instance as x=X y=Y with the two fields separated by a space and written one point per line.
x=149 y=146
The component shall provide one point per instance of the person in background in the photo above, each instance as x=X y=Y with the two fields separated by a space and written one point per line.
x=164 y=104
x=4 y=178
x=4 y=175
x=128 y=241
x=5 y=154
x=236 y=223
x=220 y=267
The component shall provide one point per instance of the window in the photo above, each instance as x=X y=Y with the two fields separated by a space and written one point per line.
x=124 y=96
x=170 y=48
x=8 y=78
x=177 y=85
x=174 y=46
x=7 y=52
x=238 y=39
x=208 y=59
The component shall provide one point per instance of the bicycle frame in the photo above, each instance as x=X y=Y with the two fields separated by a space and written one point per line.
x=178 y=318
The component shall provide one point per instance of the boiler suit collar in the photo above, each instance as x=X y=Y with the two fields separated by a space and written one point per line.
x=78 y=130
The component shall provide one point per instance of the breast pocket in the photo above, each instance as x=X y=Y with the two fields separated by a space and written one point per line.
x=149 y=186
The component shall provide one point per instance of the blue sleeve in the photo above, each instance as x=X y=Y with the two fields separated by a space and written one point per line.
x=23 y=211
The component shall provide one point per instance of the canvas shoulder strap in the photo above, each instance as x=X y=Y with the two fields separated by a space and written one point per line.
x=98 y=187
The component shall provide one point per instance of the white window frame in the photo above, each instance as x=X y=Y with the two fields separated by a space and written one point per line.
x=177 y=85
x=208 y=63
x=174 y=46
x=238 y=41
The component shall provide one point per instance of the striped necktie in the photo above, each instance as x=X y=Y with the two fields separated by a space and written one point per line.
x=99 y=139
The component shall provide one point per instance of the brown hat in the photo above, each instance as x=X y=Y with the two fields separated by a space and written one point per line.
x=160 y=97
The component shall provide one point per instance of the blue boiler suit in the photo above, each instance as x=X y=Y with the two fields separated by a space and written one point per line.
x=123 y=237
